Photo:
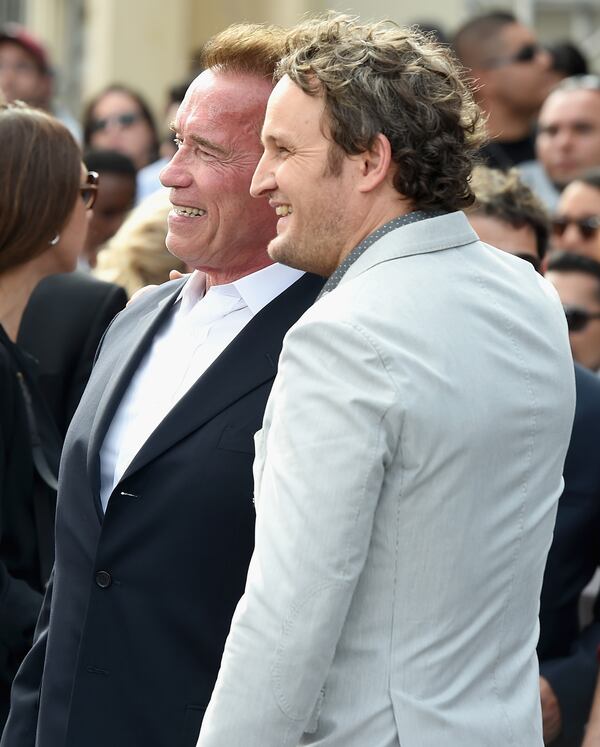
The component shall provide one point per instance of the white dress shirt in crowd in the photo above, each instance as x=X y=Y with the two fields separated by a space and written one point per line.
x=199 y=329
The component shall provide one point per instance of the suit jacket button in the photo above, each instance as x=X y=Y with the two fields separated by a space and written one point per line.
x=103 y=579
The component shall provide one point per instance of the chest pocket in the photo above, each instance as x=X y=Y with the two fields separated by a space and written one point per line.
x=236 y=439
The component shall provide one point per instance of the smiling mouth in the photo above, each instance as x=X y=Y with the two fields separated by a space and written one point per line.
x=188 y=212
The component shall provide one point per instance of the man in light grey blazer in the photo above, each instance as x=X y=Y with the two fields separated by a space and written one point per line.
x=410 y=462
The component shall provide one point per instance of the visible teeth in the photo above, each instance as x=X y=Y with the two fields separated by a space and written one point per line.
x=189 y=211
x=284 y=210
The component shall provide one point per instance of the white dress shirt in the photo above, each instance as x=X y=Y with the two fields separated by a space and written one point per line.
x=199 y=329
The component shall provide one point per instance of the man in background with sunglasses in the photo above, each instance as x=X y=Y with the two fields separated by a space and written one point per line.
x=507 y=215
x=577 y=280
x=511 y=72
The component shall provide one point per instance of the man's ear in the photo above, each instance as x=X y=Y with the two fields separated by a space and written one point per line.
x=374 y=164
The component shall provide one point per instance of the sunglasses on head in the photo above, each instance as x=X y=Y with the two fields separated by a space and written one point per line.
x=527 y=53
x=89 y=190
x=578 y=318
x=587 y=227
x=121 y=120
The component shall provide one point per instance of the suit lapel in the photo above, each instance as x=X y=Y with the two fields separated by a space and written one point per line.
x=118 y=365
x=247 y=362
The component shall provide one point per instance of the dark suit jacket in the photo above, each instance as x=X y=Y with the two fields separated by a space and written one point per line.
x=143 y=597
x=567 y=655
x=62 y=325
x=26 y=512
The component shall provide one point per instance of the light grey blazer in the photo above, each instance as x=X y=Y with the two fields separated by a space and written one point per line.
x=406 y=482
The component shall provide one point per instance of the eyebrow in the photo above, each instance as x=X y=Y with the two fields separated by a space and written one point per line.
x=202 y=141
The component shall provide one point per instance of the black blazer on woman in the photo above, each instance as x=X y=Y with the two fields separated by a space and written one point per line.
x=26 y=510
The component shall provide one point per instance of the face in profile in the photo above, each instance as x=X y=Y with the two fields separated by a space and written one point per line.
x=118 y=123
x=72 y=236
x=575 y=227
x=307 y=180
x=215 y=225
x=519 y=70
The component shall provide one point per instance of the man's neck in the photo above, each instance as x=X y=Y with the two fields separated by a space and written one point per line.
x=230 y=275
x=505 y=125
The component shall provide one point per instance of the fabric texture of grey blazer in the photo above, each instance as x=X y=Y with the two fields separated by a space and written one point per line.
x=406 y=483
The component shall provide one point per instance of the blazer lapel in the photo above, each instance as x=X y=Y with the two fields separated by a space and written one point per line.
x=118 y=366
x=247 y=362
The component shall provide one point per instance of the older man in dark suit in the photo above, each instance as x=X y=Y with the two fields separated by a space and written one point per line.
x=155 y=516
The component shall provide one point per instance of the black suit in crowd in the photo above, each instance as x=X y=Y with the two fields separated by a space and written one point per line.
x=27 y=506
x=568 y=656
x=62 y=325
x=143 y=596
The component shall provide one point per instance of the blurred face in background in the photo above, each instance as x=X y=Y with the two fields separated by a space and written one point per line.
x=575 y=227
x=118 y=123
x=20 y=75
x=518 y=71
x=116 y=197
x=568 y=141
x=521 y=242
x=580 y=293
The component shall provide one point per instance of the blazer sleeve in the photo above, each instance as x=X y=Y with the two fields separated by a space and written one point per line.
x=333 y=428
x=21 y=727
x=111 y=304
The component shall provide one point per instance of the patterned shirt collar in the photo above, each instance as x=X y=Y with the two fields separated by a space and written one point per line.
x=392 y=225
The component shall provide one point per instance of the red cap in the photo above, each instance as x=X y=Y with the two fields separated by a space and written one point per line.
x=16 y=34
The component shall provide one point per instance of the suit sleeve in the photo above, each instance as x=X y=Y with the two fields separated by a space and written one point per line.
x=21 y=727
x=112 y=303
x=331 y=427
x=573 y=680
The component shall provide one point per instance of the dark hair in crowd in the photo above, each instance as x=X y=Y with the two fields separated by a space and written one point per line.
x=380 y=78
x=475 y=40
x=88 y=114
x=109 y=161
x=571 y=262
x=40 y=173
x=568 y=59
x=502 y=195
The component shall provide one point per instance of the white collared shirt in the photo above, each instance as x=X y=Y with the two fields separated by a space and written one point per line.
x=199 y=329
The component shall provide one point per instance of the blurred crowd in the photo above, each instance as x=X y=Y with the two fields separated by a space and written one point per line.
x=103 y=211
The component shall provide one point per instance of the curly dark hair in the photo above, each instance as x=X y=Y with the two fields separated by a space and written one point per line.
x=380 y=78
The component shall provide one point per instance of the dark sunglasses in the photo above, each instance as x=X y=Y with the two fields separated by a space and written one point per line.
x=578 y=318
x=587 y=227
x=527 y=53
x=89 y=190
x=122 y=120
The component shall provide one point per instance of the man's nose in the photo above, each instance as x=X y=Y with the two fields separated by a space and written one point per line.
x=263 y=180
x=176 y=173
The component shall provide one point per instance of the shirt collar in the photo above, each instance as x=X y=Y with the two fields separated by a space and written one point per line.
x=256 y=290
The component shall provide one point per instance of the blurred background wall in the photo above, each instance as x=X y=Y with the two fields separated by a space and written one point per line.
x=150 y=44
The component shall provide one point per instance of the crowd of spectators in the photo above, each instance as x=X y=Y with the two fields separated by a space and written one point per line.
x=538 y=197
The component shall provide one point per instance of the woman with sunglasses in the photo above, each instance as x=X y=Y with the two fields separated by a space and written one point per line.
x=119 y=119
x=575 y=227
x=44 y=196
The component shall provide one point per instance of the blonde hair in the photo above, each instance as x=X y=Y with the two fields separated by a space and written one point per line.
x=136 y=255
x=381 y=78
